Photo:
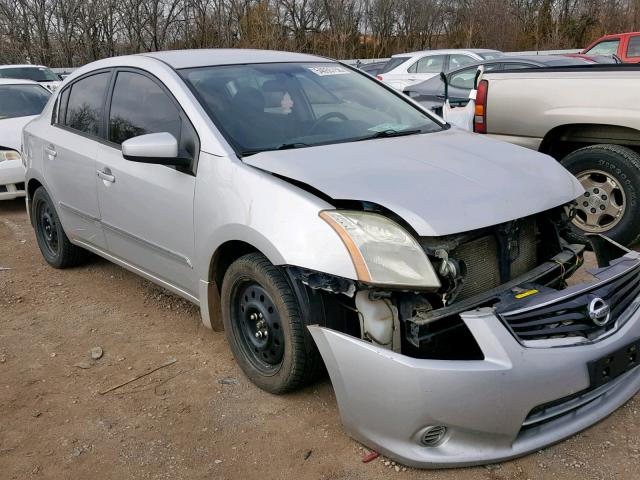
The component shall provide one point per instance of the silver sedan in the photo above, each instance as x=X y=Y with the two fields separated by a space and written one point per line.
x=321 y=218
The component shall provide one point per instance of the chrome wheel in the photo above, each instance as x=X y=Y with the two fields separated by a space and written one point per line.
x=603 y=204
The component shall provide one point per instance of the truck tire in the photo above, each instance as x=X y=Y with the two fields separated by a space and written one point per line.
x=264 y=326
x=610 y=175
x=54 y=244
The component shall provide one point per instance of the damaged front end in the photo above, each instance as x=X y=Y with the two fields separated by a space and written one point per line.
x=498 y=358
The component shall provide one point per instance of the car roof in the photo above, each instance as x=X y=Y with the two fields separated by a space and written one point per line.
x=22 y=66
x=227 y=56
x=17 y=81
x=444 y=52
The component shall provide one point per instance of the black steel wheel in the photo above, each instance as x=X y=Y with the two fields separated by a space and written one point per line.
x=264 y=326
x=54 y=244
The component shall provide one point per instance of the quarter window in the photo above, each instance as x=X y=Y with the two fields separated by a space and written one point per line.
x=428 y=64
x=138 y=107
x=633 y=50
x=86 y=104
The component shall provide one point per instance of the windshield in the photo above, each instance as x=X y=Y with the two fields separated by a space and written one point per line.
x=274 y=106
x=37 y=74
x=22 y=100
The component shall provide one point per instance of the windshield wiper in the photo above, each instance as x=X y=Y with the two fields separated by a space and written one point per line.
x=288 y=146
x=392 y=133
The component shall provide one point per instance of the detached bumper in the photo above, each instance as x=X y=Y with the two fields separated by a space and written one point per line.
x=12 y=176
x=517 y=400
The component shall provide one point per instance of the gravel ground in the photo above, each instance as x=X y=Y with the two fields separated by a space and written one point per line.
x=198 y=417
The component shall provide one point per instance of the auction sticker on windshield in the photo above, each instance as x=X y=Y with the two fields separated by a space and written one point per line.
x=328 y=70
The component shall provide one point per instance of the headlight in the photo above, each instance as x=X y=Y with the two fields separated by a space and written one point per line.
x=383 y=252
x=9 y=155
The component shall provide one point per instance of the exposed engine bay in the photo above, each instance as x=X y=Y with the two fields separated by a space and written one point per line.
x=501 y=267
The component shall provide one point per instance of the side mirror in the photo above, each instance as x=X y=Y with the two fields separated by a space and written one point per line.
x=157 y=148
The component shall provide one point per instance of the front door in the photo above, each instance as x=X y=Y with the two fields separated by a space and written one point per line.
x=147 y=209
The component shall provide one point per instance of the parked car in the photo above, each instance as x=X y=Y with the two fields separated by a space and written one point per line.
x=588 y=118
x=410 y=68
x=38 y=73
x=626 y=46
x=20 y=102
x=324 y=216
x=373 y=68
x=431 y=93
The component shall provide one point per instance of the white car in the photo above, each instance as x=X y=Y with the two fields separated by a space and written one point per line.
x=38 y=73
x=407 y=69
x=20 y=102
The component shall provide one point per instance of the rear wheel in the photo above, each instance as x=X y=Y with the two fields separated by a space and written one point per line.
x=54 y=244
x=610 y=175
x=264 y=326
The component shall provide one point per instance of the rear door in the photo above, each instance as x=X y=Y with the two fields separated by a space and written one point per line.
x=70 y=145
x=147 y=210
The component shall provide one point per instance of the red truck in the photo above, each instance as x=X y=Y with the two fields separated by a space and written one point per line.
x=625 y=46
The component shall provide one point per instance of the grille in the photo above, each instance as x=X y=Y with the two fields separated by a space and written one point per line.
x=20 y=186
x=482 y=259
x=570 y=317
x=3 y=188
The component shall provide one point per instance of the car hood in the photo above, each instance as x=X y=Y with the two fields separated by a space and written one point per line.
x=440 y=183
x=11 y=131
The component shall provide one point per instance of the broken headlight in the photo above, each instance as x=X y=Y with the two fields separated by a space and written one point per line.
x=383 y=252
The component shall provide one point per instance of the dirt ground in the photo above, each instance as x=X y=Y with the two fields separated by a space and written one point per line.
x=198 y=417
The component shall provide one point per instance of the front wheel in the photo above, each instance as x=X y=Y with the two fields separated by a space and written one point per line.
x=264 y=326
x=610 y=175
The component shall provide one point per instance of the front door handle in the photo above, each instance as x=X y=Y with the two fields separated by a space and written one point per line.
x=105 y=174
x=50 y=151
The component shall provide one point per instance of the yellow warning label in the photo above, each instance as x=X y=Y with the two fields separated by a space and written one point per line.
x=526 y=293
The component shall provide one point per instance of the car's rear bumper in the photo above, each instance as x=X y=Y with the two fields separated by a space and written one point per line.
x=11 y=179
x=516 y=400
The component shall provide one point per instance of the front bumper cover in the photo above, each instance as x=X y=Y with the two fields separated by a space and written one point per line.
x=387 y=399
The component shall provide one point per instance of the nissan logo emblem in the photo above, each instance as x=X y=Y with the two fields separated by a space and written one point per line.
x=599 y=312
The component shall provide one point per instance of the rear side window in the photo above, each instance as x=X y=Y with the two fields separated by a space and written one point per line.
x=85 y=105
x=633 y=50
x=428 y=64
x=457 y=61
x=393 y=63
x=607 y=47
x=140 y=106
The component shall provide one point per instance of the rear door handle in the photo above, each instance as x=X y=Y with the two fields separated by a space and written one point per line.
x=50 y=151
x=105 y=174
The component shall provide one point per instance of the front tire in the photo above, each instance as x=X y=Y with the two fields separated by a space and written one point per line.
x=264 y=326
x=54 y=244
x=610 y=175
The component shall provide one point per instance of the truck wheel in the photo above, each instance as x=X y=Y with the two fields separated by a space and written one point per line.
x=610 y=175
x=54 y=244
x=264 y=327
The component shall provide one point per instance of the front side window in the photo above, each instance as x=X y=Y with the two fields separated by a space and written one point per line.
x=465 y=78
x=607 y=47
x=633 y=49
x=291 y=105
x=429 y=64
x=85 y=105
x=138 y=107
x=37 y=74
x=22 y=100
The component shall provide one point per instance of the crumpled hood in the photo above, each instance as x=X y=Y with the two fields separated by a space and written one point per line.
x=440 y=183
x=11 y=131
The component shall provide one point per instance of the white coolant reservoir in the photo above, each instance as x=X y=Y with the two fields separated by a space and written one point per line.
x=378 y=319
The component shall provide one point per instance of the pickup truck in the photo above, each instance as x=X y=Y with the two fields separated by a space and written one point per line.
x=626 y=46
x=586 y=118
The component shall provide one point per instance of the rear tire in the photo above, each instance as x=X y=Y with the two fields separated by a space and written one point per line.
x=54 y=244
x=264 y=326
x=610 y=206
